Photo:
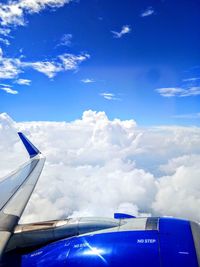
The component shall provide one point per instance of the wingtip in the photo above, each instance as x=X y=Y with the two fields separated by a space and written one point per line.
x=31 y=149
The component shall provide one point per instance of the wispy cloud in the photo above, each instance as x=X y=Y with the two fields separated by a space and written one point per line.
x=194 y=79
x=109 y=96
x=71 y=62
x=5 y=85
x=14 y=12
x=10 y=68
x=188 y=116
x=179 y=92
x=23 y=82
x=125 y=29
x=9 y=90
x=50 y=69
x=148 y=12
x=66 y=40
x=4 y=41
x=5 y=31
x=87 y=80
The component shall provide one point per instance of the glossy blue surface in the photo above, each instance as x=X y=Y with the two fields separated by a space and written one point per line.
x=123 y=216
x=169 y=246
x=110 y=249
x=31 y=149
x=176 y=243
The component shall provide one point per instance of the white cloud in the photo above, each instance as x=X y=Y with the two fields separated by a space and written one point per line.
x=109 y=96
x=10 y=68
x=5 y=85
x=64 y=62
x=96 y=166
x=179 y=92
x=188 y=116
x=186 y=160
x=14 y=12
x=125 y=29
x=87 y=80
x=148 y=12
x=66 y=40
x=46 y=67
x=71 y=62
x=9 y=90
x=5 y=31
x=194 y=79
x=5 y=41
x=23 y=81
x=178 y=194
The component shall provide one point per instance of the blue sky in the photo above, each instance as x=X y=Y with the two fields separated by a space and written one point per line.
x=132 y=59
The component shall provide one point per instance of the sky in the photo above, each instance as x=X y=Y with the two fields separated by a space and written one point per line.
x=131 y=59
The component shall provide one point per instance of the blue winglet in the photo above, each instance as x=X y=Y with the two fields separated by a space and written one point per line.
x=31 y=149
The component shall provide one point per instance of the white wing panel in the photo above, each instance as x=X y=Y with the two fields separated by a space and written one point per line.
x=18 y=202
x=15 y=191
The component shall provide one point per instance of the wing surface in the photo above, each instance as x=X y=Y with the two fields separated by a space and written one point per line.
x=16 y=189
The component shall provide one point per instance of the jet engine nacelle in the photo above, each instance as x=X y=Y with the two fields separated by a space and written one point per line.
x=155 y=242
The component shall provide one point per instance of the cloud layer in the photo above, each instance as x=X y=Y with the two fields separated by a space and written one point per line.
x=96 y=166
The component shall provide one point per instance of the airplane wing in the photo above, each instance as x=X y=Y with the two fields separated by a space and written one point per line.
x=15 y=191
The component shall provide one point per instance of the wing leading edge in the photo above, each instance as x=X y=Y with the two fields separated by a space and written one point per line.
x=16 y=189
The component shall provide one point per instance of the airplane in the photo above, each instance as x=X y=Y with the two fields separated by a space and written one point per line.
x=87 y=242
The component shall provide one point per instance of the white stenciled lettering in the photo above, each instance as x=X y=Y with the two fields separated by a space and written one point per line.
x=140 y=241
x=80 y=245
x=146 y=241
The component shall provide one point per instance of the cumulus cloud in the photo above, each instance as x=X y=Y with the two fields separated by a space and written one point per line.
x=148 y=12
x=125 y=29
x=10 y=68
x=13 y=13
x=96 y=166
x=178 y=194
x=179 y=92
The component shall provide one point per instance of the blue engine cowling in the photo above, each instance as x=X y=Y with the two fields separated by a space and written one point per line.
x=167 y=243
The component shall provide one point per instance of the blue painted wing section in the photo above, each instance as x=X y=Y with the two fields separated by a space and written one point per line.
x=31 y=149
x=176 y=243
